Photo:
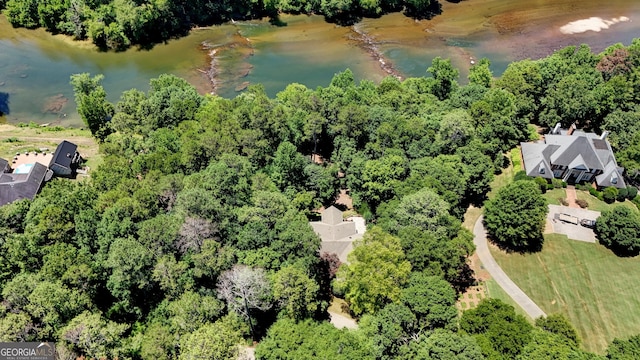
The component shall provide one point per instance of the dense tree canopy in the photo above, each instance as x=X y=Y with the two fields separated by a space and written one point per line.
x=515 y=217
x=194 y=230
x=619 y=230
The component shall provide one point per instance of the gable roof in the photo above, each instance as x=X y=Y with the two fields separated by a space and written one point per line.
x=332 y=216
x=4 y=165
x=571 y=148
x=612 y=176
x=575 y=150
x=64 y=154
x=23 y=186
x=534 y=160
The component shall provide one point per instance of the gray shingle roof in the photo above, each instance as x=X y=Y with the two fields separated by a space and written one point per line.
x=578 y=150
x=22 y=186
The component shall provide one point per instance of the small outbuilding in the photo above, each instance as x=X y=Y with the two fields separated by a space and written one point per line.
x=66 y=159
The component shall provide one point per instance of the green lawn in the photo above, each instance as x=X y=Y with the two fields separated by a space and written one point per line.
x=496 y=292
x=599 y=205
x=597 y=291
x=553 y=195
x=507 y=174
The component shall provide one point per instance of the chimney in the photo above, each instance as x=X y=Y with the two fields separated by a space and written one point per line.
x=604 y=135
x=571 y=129
x=556 y=129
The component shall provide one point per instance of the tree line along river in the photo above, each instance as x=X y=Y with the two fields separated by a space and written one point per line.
x=35 y=66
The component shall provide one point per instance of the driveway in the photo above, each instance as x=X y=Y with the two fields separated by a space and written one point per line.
x=496 y=272
x=574 y=232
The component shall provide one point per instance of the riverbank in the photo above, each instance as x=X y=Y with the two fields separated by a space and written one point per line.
x=35 y=138
x=35 y=66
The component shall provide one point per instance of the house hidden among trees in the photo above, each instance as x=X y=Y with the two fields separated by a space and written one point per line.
x=30 y=172
x=574 y=156
x=336 y=234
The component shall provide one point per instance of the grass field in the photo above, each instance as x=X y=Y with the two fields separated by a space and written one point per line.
x=596 y=290
x=553 y=195
x=599 y=205
x=15 y=139
x=496 y=292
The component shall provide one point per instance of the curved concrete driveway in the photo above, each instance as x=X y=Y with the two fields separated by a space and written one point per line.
x=496 y=272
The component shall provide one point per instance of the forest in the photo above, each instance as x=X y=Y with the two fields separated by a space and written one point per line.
x=192 y=236
x=118 y=24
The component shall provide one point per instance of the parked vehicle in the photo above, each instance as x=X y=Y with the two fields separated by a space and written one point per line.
x=568 y=219
x=588 y=223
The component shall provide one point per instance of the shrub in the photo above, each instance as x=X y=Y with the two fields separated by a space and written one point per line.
x=582 y=203
x=542 y=183
x=593 y=192
x=549 y=186
x=564 y=184
x=563 y=201
x=622 y=194
x=632 y=192
x=521 y=175
x=584 y=187
x=557 y=183
x=610 y=194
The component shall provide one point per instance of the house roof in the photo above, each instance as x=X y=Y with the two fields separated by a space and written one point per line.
x=535 y=161
x=64 y=154
x=612 y=176
x=4 y=164
x=332 y=216
x=571 y=148
x=575 y=150
x=22 y=186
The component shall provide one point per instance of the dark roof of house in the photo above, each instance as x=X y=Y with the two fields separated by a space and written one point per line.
x=3 y=165
x=64 y=154
x=22 y=186
x=576 y=150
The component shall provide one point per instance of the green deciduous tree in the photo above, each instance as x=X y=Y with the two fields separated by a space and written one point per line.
x=93 y=107
x=290 y=340
x=445 y=76
x=295 y=292
x=515 y=217
x=442 y=345
x=558 y=324
x=219 y=340
x=619 y=230
x=498 y=328
x=376 y=272
x=432 y=300
x=624 y=349
x=480 y=74
x=90 y=335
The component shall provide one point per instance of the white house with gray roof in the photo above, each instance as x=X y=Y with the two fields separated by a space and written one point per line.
x=574 y=156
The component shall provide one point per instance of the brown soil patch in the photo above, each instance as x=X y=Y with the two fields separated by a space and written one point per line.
x=54 y=104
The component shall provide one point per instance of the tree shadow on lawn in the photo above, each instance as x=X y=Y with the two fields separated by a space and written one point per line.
x=522 y=250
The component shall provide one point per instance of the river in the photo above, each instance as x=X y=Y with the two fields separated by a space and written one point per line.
x=35 y=66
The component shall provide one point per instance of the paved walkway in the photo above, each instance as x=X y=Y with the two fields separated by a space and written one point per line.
x=490 y=264
x=571 y=196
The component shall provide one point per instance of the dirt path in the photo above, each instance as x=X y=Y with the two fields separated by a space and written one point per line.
x=340 y=321
x=490 y=264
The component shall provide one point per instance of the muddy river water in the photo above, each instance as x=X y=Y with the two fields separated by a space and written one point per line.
x=35 y=66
